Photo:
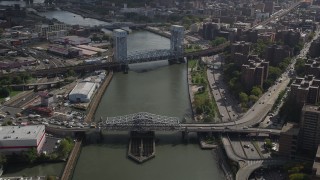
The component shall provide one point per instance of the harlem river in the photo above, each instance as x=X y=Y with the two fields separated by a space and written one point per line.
x=157 y=88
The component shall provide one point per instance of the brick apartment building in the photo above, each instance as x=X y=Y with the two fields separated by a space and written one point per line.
x=288 y=140
x=240 y=47
x=254 y=73
x=305 y=90
x=277 y=53
x=312 y=67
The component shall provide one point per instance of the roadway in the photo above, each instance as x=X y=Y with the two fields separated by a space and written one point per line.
x=247 y=165
x=91 y=67
x=275 y=17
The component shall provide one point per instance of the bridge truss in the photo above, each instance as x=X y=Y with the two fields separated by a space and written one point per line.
x=142 y=121
x=150 y=55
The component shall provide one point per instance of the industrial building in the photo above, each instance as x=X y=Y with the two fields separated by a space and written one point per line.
x=82 y=92
x=44 y=29
x=73 y=40
x=15 y=139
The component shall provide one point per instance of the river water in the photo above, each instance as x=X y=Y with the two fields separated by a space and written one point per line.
x=156 y=88
x=149 y=87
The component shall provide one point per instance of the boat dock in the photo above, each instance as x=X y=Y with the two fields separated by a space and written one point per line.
x=141 y=146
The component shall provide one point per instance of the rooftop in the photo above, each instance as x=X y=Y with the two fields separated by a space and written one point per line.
x=290 y=129
x=20 y=132
x=83 y=88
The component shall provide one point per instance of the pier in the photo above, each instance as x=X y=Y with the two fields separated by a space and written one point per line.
x=141 y=146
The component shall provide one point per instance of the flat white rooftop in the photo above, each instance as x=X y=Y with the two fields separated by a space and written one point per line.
x=21 y=132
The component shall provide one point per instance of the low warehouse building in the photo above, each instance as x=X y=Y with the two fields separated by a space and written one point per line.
x=15 y=139
x=82 y=92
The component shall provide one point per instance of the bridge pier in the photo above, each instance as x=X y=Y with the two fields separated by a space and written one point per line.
x=125 y=68
x=185 y=136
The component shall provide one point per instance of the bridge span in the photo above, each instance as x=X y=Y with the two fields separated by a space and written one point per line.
x=144 y=121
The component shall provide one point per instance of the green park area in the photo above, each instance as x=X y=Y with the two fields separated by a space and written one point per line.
x=203 y=103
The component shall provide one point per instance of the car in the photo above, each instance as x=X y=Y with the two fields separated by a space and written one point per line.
x=227 y=127
x=252 y=149
x=246 y=146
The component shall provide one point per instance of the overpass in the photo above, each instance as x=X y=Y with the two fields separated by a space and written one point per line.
x=111 y=65
x=35 y=85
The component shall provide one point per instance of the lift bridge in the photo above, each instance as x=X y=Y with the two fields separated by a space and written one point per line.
x=142 y=121
x=175 y=51
x=150 y=55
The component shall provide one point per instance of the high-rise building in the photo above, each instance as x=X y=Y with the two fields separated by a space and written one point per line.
x=240 y=47
x=288 y=140
x=254 y=73
x=309 y=132
x=314 y=50
x=120 y=45
x=312 y=67
x=305 y=90
x=276 y=53
x=269 y=6
x=316 y=166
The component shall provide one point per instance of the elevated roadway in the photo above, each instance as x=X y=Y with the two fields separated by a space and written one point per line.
x=107 y=65
x=277 y=16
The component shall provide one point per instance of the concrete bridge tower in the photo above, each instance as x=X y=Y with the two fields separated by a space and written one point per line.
x=176 y=40
x=120 y=45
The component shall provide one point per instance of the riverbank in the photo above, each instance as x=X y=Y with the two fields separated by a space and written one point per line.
x=97 y=98
x=72 y=161
x=202 y=101
x=85 y=14
x=158 y=32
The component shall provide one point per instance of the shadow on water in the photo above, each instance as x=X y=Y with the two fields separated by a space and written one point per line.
x=36 y=169
x=148 y=66
x=120 y=139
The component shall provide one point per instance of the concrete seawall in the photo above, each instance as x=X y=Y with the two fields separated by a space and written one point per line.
x=72 y=161
x=155 y=31
x=97 y=98
x=189 y=90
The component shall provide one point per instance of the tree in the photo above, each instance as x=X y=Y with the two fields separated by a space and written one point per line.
x=3 y=159
x=260 y=46
x=71 y=73
x=31 y=155
x=274 y=73
x=65 y=147
x=218 y=40
x=4 y=92
x=268 y=144
x=106 y=37
x=256 y=91
x=299 y=67
x=253 y=98
x=299 y=176
x=17 y=80
x=243 y=97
